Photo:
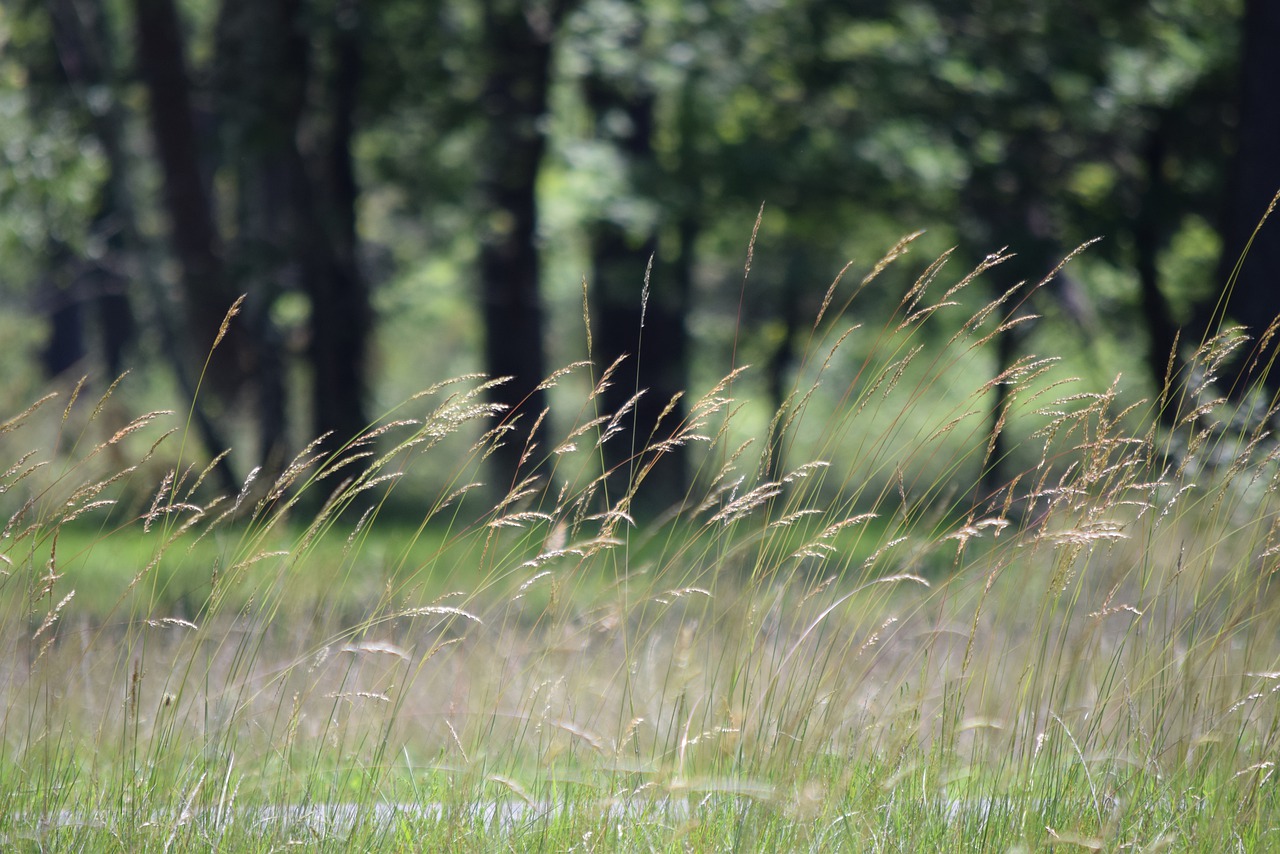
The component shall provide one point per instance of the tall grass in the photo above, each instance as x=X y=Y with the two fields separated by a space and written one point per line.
x=835 y=641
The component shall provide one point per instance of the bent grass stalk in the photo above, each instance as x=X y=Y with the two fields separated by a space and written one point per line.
x=837 y=643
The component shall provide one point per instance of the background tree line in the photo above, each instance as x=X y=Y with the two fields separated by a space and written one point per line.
x=420 y=187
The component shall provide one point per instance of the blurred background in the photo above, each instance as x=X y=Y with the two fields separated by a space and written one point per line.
x=411 y=190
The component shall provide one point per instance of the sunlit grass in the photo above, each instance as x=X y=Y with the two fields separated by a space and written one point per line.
x=835 y=641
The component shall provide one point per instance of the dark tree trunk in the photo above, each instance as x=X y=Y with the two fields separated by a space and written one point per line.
x=995 y=475
x=648 y=327
x=101 y=294
x=1003 y=209
x=517 y=56
x=65 y=294
x=64 y=306
x=1253 y=298
x=83 y=43
x=206 y=293
x=653 y=337
x=113 y=311
x=778 y=371
x=260 y=79
x=1148 y=239
x=296 y=209
x=341 y=311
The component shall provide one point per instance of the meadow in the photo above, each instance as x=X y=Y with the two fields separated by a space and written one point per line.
x=835 y=641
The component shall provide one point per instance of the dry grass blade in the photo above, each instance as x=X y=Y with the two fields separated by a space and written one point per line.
x=226 y=321
x=18 y=420
x=792 y=648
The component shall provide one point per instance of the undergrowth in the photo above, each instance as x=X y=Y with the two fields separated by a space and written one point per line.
x=835 y=641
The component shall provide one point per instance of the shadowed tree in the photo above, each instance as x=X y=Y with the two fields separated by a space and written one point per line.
x=295 y=209
x=259 y=85
x=291 y=210
x=639 y=288
x=207 y=293
x=101 y=291
x=341 y=309
x=113 y=263
x=518 y=38
x=1252 y=289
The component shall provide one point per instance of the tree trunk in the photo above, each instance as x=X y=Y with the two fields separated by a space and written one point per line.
x=341 y=310
x=296 y=209
x=517 y=55
x=649 y=327
x=1148 y=238
x=101 y=294
x=83 y=43
x=779 y=369
x=60 y=292
x=261 y=74
x=1253 y=297
x=206 y=293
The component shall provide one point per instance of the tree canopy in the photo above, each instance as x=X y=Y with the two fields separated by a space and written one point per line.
x=410 y=190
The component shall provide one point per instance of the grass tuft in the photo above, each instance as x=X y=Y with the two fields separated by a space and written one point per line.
x=838 y=640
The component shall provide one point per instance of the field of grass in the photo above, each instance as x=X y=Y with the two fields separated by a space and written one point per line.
x=835 y=641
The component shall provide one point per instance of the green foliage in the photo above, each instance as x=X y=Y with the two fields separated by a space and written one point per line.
x=51 y=168
x=985 y=125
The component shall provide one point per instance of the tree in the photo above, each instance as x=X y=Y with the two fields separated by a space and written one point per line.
x=1249 y=270
x=518 y=38
x=1059 y=136
x=207 y=292
x=342 y=316
x=640 y=279
x=100 y=288
x=259 y=84
x=1034 y=127
x=293 y=210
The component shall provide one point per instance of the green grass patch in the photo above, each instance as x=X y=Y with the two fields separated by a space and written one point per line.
x=836 y=641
